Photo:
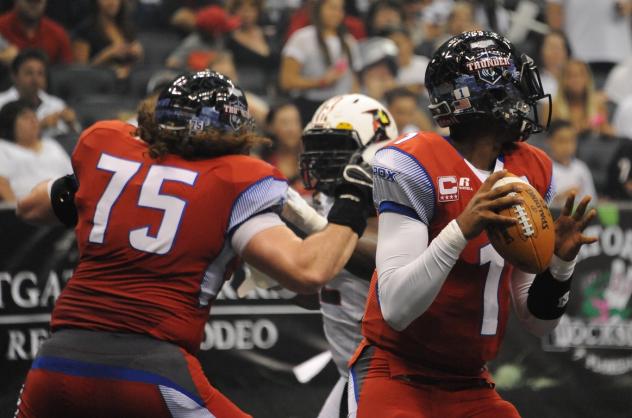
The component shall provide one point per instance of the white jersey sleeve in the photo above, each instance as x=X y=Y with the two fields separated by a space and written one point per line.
x=402 y=185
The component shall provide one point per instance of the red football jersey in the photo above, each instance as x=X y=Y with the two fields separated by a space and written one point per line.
x=423 y=176
x=154 y=235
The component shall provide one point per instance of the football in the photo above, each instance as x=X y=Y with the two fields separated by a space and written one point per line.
x=529 y=243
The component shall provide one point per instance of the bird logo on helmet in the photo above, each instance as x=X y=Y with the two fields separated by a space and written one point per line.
x=203 y=101
x=345 y=129
x=477 y=75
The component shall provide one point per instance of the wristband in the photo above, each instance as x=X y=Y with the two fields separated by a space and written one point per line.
x=548 y=296
x=349 y=212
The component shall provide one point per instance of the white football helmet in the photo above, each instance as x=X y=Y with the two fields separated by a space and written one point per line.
x=345 y=129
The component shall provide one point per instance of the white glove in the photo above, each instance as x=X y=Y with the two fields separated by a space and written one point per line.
x=299 y=213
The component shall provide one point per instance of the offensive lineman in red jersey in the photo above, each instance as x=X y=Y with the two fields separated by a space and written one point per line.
x=162 y=218
x=439 y=299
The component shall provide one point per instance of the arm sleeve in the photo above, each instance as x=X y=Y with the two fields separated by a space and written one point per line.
x=244 y=232
x=402 y=185
x=411 y=272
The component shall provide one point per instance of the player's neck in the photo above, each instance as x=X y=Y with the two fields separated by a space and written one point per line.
x=481 y=151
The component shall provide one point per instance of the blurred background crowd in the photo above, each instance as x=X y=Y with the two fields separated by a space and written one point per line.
x=66 y=63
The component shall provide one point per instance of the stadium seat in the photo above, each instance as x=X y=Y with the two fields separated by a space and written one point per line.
x=76 y=81
x=91 y=109
x=138 y=79
x=157 y=46
x=597 y=152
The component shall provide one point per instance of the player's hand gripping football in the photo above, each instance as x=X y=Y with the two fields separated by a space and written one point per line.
x=482 y=209
x=569 y=227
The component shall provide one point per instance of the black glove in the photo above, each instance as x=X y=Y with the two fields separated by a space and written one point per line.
x=353 y=197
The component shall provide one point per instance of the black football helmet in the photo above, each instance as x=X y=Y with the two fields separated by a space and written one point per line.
x=478 y=75
x=203 y=101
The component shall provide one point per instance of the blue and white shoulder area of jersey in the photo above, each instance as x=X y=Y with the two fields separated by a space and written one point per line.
x=266 y=195
x=402 y=185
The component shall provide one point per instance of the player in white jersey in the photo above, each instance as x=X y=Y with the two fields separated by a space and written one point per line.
x=346 y=128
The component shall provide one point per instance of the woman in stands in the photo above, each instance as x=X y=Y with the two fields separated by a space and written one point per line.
x=579 y=102
x=107 y=38
x=250 y=46
x=25 y=157
x=319 y=61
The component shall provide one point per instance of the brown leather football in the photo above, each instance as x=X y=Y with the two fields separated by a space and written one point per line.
x=528 y=244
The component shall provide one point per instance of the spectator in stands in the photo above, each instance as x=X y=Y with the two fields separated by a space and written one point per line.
x=8 y=51
x=554 y=53
x=380 y=70
x=618 y=86
x=570 y=175
x=600 y=32
x=413 y=18
x=28 y=72
x=183 y=14
x=250 y=46
x=402 y=104
x=412 y=67
x=7 y=55
x=198 y=49
x=442 y=20
x=303 y=17
x=284 y=127
x=223 y=63
x=107 y=38
x=320 y=61
x=27 y=27
x=618 y=183
x=26 y=158
x=579 y=102
x=384 y=15
x=622 y=121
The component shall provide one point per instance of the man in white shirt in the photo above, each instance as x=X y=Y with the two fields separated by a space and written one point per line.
x=28 y=72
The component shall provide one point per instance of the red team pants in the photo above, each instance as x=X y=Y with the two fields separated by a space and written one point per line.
x=374 y=392
x=96 y=374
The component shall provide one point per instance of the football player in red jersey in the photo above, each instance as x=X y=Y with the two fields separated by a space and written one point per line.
x=163 y=213
x=439 y=300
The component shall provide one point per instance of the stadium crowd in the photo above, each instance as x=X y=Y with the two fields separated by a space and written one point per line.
x=68 y=63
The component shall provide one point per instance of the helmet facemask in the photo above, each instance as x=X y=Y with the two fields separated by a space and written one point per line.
x=325 y=154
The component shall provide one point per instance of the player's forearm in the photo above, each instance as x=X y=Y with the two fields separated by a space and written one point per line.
x=36 y=207
x=321 y=256
x=409 y=274
x=302 y=266
x=362 y=262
